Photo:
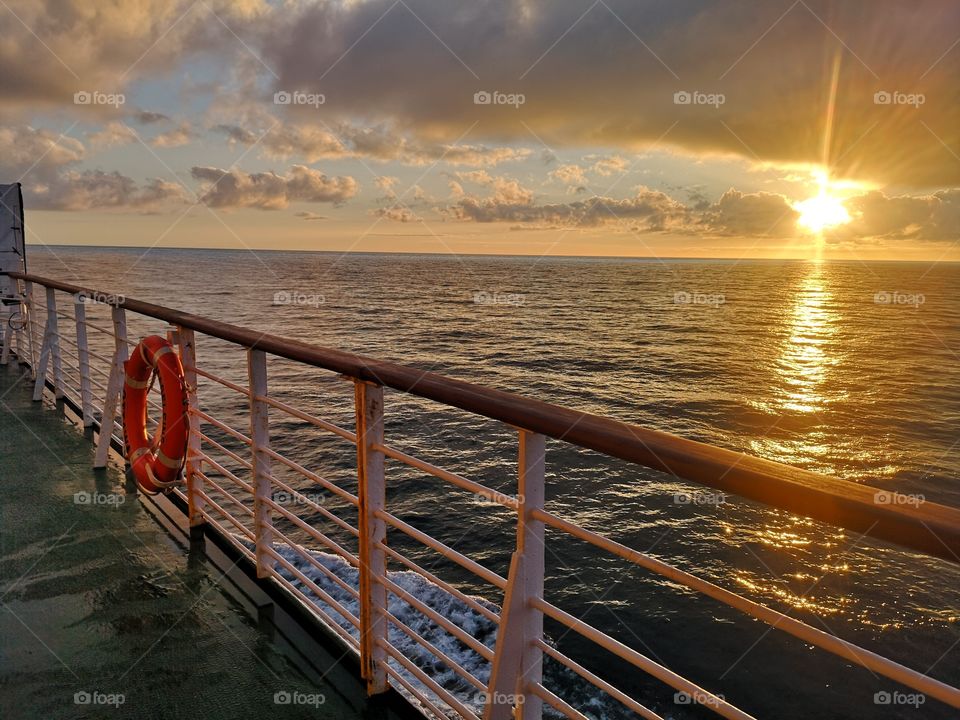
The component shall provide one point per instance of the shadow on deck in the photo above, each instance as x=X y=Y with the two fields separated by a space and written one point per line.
x=102 y=600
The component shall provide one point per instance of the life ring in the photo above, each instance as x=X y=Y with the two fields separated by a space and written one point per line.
x=155 y=462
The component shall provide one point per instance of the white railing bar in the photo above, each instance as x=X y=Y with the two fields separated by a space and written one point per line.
x=314 y=533
x=340 y=522
x=445 y=550
x=314 y=588
x=131 y=343
x=410 y=688
x=435 y=687
x=665 y=675
x=454 y=629
x=226 y=533
x=212 y=503
x=597 y=681
x=230 y=496
x=860 y=656
x=220 y=468
x=458 y=480
x=226 y=428
x=229 y=453
x=328 y=620
x=463 y=597
x=226 y=383
x=306 y=417
x=349 y=497
x=305 y=554
x=434 y=650
x=558 y=704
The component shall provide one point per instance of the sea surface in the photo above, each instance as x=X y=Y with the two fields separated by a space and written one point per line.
x=846 y=368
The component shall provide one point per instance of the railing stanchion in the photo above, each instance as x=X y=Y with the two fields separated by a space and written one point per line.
x=518 y=661
x=55 y=355
x=260 y=434
x=188 y=357
x=83 y=359
x=46 y=349
x=114 y=387
x=28 y=309
x=371 y=485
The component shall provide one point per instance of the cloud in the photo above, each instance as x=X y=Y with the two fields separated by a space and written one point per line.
x=147 y=117
x=751 y=214
x=96 y=189
x=269 y=191
x=934 y=217
x=608 y=165
x=310 y=216
x=111 y=135
x=397 y=213
x=569 y=175
x=180 y=135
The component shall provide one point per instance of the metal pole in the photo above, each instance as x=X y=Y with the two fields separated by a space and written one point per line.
x=86 y=390
x=114 y=387
x=518 y=661
x=188 y=358
x=373 y=563
x=54 y=328
x=260 y=434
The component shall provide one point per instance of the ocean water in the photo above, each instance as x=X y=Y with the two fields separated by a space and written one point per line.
x=850 y=369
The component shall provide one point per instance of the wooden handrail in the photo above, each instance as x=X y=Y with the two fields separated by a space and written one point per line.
x=927 y=527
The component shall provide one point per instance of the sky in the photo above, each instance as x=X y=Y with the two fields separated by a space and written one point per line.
x=689 y=128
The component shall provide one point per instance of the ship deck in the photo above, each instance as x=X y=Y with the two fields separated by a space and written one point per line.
x=100 y=602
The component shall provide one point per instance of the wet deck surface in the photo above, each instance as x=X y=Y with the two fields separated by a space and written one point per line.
x=103 y=613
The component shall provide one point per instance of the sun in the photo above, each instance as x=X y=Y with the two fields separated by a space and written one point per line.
x=823 y=210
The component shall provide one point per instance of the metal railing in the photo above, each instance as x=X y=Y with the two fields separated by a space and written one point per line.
x=232 y=476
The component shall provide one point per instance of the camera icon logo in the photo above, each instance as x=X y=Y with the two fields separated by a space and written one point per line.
x=282 y=698
x=682 y=97
x=82 y=98
x=282 y=98
x=81 y=498
x=82 y=698
x=482 y=97
x=882 y=97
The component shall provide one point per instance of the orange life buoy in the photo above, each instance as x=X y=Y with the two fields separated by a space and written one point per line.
x=156 y=463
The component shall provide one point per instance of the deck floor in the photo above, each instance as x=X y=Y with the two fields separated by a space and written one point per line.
x=99 y=602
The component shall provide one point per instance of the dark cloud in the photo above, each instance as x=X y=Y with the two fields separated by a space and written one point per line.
x=269 y=191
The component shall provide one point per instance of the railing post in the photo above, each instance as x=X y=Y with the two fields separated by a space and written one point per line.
x=83 y=355
x=188 y=358
x=518 y=662
x=114 y=387
x=47 y=349
x=28 y=309
x=52 y=322
x=371 y=488
x=260 y=434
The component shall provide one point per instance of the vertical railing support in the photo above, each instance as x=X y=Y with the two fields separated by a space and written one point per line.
x=114 y=387
x=83 y=355
x=28 y=309
x=49 y=352
x=371 y=487
x=518 y=661
x=188 y=358
x=260 y=434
